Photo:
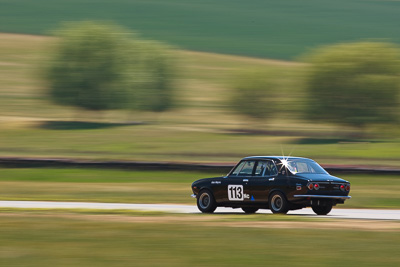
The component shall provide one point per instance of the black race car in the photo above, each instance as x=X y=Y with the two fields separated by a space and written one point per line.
x=276 y=183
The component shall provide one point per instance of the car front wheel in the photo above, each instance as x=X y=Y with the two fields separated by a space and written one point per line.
x=278 y=203
x=322 y=210
x=206 y=202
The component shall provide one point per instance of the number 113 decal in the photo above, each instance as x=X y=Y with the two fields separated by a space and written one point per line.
x=235 y=192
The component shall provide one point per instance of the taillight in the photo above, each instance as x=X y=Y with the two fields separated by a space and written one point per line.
x=342 y=187
x=310 y=186
x=348 y=187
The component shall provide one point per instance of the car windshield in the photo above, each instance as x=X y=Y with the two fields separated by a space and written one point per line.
x=303 y=166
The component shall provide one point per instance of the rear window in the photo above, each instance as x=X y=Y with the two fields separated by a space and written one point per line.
x=303 y=166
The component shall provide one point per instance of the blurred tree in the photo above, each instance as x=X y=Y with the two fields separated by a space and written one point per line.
x=155 y=87
x=99 y=66
x=253 y=95
x=354 y=84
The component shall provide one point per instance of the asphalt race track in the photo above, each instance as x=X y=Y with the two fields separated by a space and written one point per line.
x=364 y=214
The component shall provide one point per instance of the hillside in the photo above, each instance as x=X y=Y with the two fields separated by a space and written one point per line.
x=200 y=128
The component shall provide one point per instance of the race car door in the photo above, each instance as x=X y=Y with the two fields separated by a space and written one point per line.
x=236 y=183
x=262 y=181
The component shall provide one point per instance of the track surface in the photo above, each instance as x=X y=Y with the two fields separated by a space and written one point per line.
x=365 y=214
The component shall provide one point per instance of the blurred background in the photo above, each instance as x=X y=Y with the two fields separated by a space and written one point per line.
x=196 y=82
x=165 y=80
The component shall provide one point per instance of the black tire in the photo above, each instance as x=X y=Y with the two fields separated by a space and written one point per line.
x=206 y=201
x=322 y=210
x=249 y=210
x=278 y=203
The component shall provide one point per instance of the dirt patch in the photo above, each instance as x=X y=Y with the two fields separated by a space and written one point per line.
x=14 y=36
x=337 y=225
x=244 y=59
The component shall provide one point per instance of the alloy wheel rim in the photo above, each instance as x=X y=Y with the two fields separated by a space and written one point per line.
x=204 y=200
x=276 y=202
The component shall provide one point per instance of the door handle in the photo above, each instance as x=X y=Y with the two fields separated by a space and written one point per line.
x=245 y=180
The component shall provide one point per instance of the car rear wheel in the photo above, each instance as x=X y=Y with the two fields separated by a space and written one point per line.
x=278 y=203
x=322 y=210
x=249 y=210
x=206 y=202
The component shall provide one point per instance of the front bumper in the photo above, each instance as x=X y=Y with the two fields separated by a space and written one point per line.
x=323 y=196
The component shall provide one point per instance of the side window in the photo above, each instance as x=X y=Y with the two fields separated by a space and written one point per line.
x=261 y=165
x=247 y=169
x=271 y=169
x=238 y=168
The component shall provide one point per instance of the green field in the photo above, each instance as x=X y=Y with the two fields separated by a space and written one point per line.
x=90 y=240
x=270 y=29
x=102 y=185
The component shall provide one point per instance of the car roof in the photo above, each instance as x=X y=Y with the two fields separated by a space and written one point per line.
x=272 y=157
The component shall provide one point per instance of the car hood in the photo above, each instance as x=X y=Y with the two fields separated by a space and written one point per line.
x=316 y=177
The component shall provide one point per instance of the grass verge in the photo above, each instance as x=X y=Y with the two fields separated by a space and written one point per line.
x=92 y=240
